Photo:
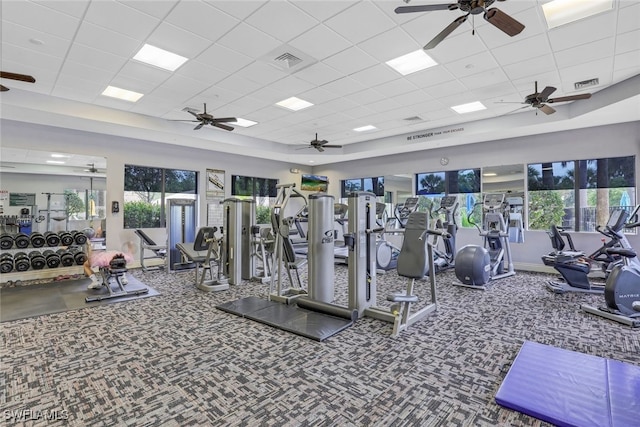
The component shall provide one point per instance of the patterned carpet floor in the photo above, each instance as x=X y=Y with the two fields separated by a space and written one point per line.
x=176 y=360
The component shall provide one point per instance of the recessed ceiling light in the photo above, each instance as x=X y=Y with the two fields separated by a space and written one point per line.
x=126 y=95
x=412 y=62
x=312 y=161
x=365 y=128
x=489 y=174
x=56 y=162
x=243 y=122
x=294 y=103
x=468 y=108
x=561 y=12
x=159 y=58
x=60 y=156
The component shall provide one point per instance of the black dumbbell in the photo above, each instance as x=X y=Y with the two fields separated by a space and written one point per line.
x=6 y=241
x=66 y=259
x=78 y=255
x=52 y=239
x=37 y=260
x=6 y=263
x=21 y=240
x=52 y=258
x=37 y=240
x=21 y=261
x=66 y=239
x=79 y=237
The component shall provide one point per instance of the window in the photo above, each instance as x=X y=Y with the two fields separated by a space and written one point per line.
x=146 y=190
x=262 y=190
x=580 y=194
x=374 y=185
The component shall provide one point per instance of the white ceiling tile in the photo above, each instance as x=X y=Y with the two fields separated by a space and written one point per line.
x=269 y=95
x=483 y=79
x=350 y=60
x=600 y=69
x=136 y=85
x=364 y=97
x=530 y=67
x=223 y=59
x=323 y=9
x=430 y=77
x=239 y=9
x=18 y=35
x=522 y=50
x=281 y=20
x=530 y=17
x=375 y=75
x=106 y=40
x=445 y=89
x=318 y=74
x=159 y=9
x=219 y=95
x=120 y=18
x=412 y=98
x=42 y=18
x=526 y=85
x=76 y=70
x=269 y=113
x=628 y=18
x=245 y=106
x=177 y=40
x=82 y=87
x=45 y=78
x=138 y=70
x=340 y=104
x=360 y=22
x=628 y=41
x=201 y=19
x=241 y=84
x=29 y=58
x=97 y=58
x=187 y=87
x=249 y=41
x=197 y=70
x=397 y=87
x=472 y=64
x=585 y=53
x=73 y=92
x=344 y=86
x=292 y=85
x=331 y=44
x=628 y=60
x=358 y=112
x=389 y=45
x=74 y=8
x=426 y=25
x=261 y=72
x=584 y=31
x=318 y=95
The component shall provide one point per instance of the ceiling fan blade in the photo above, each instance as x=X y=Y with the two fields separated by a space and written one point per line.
x=16 y=76
x=444 y=33
x=332 y=146
x=3 y=88
x=503 y=22
x=425 y=8
x=221 y=126
x=319 y=148
x=546 y=92
x=570 y=98
x=546 y=109
x=199 y=126
x=225 y=120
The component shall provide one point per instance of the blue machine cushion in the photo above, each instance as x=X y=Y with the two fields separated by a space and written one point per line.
x=412 y=259
x=567 y=388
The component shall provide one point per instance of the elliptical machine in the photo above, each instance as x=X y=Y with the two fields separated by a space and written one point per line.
x=444 y=260
x=477 y=265
x=386 y=252
x=622 y=290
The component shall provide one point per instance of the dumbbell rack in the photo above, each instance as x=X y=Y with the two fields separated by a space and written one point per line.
x=46 y=272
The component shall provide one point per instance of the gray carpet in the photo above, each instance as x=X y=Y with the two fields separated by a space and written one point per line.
x=20 y=302
x=176 y=360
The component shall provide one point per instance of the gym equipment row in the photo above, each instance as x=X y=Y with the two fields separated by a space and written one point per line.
x=36 y=260
x=39 y=240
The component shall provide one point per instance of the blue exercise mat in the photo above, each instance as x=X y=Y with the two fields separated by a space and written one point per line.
x=567 y=388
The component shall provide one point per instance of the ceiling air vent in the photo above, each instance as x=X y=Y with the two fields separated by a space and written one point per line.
x=288 y=59
x=414 y=119
x=586 y=83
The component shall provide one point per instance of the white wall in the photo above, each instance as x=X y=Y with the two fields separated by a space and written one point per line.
x=597 y=142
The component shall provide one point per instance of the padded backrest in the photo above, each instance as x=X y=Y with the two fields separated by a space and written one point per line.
x=203 y=238
x=557 y=242
x=412 y=260
x=147 y=240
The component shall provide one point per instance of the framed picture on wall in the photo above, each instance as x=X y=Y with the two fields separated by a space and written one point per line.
x=215 y=183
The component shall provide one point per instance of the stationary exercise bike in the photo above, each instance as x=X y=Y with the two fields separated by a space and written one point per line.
x=622 y=290
x=477 y=265
x=575 y=267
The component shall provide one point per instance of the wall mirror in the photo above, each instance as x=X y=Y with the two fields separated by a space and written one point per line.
x=508 y=179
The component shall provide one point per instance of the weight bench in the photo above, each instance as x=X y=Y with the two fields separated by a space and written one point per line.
x=146 y=244
x=202 y=252
x=115 y=272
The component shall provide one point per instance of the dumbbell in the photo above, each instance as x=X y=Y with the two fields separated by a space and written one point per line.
x=78 y=255
x=66 y=259
x=66 y=239
x=21 y=240
x=6 y=263
x=52 y=258
x=21 y=261
x=6 y=241
x=79 y=237
x=52 y=239
x=37 y=260
x=37 y=240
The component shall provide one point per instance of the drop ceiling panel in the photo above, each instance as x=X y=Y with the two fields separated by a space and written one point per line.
x=397 y=87
x=376 y=75
x=318 y=95
x=628 y=41
x=600 y=69
x=629 y=17
x=281 y=20
x=106 y=40
x=472 y=64
x=28 y=38
x=430 y=77
x=389 y=45
x=484 y=79
x=202 y=72
x=318 y=74
x=585 y=53
x=522 y=50
x=122 y=19
x=584 y=31
x=224 y=59
x=360 y=22
x=138 y=70
x=460 y=44
x=75 y=70
x=158 y=9
x=74 y=8
x=239 y=9
x=322 y=9
x=530 y=67
x=202 y=19
x=177 y=40
x=261 y=73
x=627 y=60
x=350 y=60
x=331 y=44
x=249 y=41
x=39 y=17
x=344 y=86
x=97 y=58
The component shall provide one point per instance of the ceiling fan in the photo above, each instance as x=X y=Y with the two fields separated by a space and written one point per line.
x=92 y=168
x=540 y=100
x=494 y=16
x=14 y=76
x=320 y=145
x=207 y=119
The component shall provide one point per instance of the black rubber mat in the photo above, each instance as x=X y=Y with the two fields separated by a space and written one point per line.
x=21 y=302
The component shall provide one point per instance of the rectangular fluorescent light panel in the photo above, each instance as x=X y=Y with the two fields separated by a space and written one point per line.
x=159 y=58
x=365 y=128
x=561 y=12
x=294 y=103
x=469 y=108
x=412 y=62
x=60 y=156
x=56 y=162
x=126 y=95
x=243 y=122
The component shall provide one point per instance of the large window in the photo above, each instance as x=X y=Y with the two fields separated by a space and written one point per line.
x=374 y=185
x=146 y=190
x=579 y=194
x=262 y=190
x=463 y=183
